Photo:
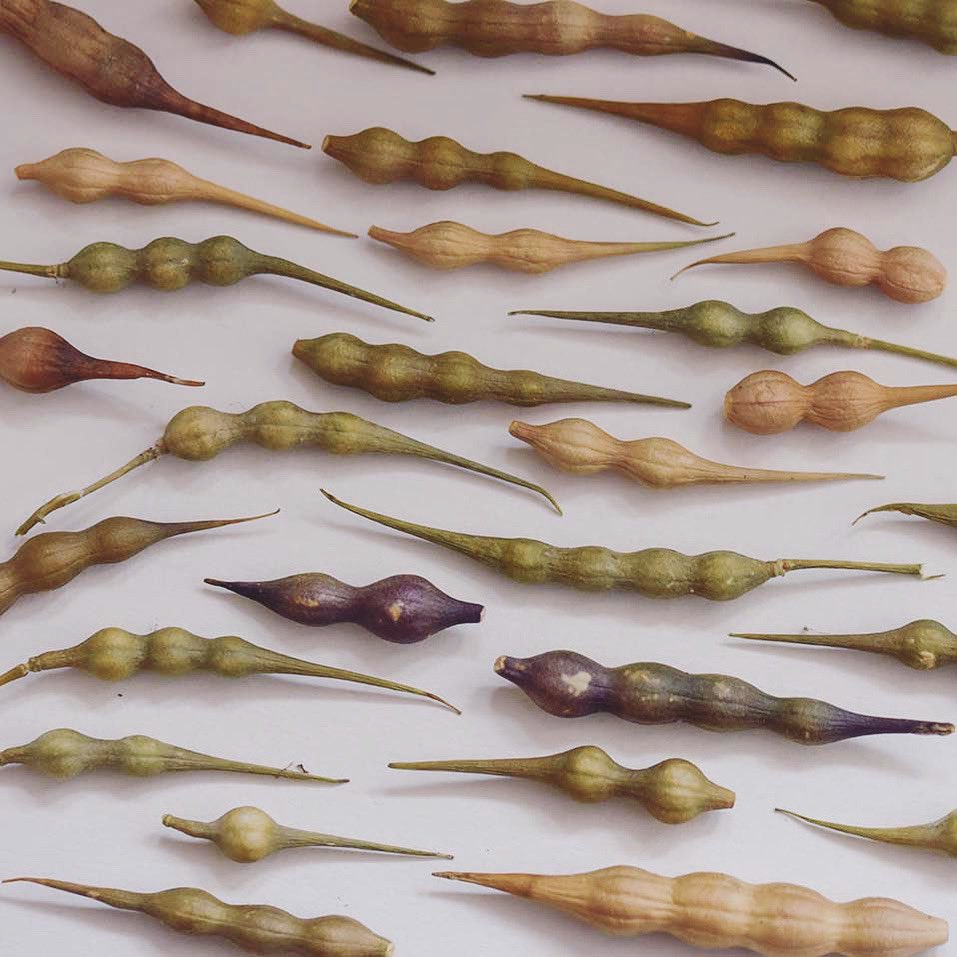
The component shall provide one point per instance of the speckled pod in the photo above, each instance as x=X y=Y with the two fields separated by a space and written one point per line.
x=941 y=514
x=403 y=609
x=933 y=22
x=716 y=911
x=569 y=685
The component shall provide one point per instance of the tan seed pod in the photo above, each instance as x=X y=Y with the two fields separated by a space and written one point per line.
x=941 y=514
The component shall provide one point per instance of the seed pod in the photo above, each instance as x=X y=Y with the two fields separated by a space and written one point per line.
x=114 y=654
x=716 y=911
x=170 y=264
x=65 y=754
x=941 y=514
x=673 y=791
x=784 y=331
x=582 y=448
x=34 y=359
x=199 y=434
x=254 y=928
x=654 y=572
x=449 y=245
x=569 y=685
x=54 y=559
x=85 y=176
x=397 y=373
x=929 y=21
x=771 y=402
x=403 y=609
x=247 y=835
x=906 y=144
x=108 y=67
x=378 y=156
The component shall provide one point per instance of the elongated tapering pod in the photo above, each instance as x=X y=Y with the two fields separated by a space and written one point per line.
x=716 y=911
x=673 y=791
x=569 y=685
x=54 y=559
x=85 y=176
x=403 y=609
x=941 y=514
x=66 y=754
x=35 y=359
x=398 y=373
x=785 y=331
x=378 y=156
x=169 y=264
x=582 y=448
x=844 y=257
x=771 y=402
x=247 y=835
x=108 y=67
x=654 y=572
x=448 y=245
x=114 y=654
x=907 y=144
x=931 y=21
x=199 y=434
x=255 y=928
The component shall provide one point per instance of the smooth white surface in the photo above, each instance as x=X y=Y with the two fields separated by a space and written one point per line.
x=105 y=830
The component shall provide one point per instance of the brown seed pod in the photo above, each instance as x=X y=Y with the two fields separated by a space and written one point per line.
x=771 y=402
x=941 y=514
x=933 y=22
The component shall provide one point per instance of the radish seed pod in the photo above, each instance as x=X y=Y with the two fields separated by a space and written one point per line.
x=931 y=21
x=941 y=514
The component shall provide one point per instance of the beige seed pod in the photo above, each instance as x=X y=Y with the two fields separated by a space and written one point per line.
x=771 y=402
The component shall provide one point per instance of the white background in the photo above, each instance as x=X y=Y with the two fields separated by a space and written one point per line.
x=105 y=830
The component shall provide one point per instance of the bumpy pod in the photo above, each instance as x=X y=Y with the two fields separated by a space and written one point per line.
x=403 y=609
x=941 y=514
x=65 y=754
x=85 y=176
x=114 y=654
x=905 y=144
x=199 y=434
x=933 y=22
x=170 y=264
x=397 y=373
x=108 y=67
x=785 y=331
x=771 y=402
x=254 y=928
x=247 y=835
x=379 y=156
x=716 y=911
x=673 y=792
x=654 y=572
x=569 y=685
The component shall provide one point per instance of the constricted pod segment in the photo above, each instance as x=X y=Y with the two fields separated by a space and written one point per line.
x=941 y=514
x=933 y=22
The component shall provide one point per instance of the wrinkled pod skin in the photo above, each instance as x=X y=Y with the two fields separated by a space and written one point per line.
x=933 y=22
x=403 y=609
x=569 y=685
x=255 y=928
x=940 y=514
x=716 y=911
x=673 y=791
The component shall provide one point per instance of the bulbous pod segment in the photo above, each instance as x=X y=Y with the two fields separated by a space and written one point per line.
x=930 y=22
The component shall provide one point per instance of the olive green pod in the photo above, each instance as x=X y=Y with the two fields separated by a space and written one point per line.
x=941 y=514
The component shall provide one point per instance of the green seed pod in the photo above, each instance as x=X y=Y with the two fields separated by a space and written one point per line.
x=933 y=22
x=673 y=791
x=942 y=514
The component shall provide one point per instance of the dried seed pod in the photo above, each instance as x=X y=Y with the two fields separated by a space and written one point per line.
x=77 y=47
x=448 y=245
x=378 y=156
x=34 y=359
x=199 y=434
x=247 y=835
x=907 y=144
x=784 y=331
x=170 y=264
x=715 y=911
x=771 y=402
x=114 y=654
x=254 y=928
x=85 y=176
x=654 y=572
x=403 y=609
x=397 y=373
x=54 y=559
x=569 y=685
x=941 y=514
x=582 y=448
x=846 y=258
x=929 y=21
x=673 y=791
x=65 y=754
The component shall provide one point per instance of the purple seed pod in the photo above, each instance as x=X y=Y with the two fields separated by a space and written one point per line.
x=403 y=609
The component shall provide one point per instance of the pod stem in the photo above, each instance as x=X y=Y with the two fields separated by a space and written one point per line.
x=29 y=269
x=907 y=836
x=793 y=252
x=786 y=565
x=14 y=674
x=865 y=342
